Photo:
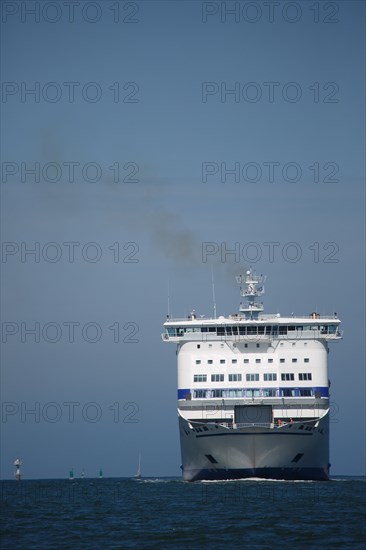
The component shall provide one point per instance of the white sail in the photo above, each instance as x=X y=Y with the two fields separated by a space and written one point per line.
x=138 y=473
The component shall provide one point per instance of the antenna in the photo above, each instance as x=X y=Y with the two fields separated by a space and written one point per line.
x=213 y=292
x=168 y=298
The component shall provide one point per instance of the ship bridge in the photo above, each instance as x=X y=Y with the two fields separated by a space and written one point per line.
x=250 y=323
x=265 y=328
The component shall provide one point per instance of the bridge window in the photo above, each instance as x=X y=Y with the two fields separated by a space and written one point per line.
x=209 y=361
x=305 y=392
x=287 y=376
x=269 y=392
x=270 y=360
x=306 y=360
x=199 y=394
x=216 y=393
x=200 y=378
x=282 y=360
x=217 y=377
x=234 y=361
x=270 y=376
x=246 y=361
x=234 y=377
x=294 y=360
x=252 y=377
x=305 y=376
x=253 y=393
x=258 y=360
x=233 y=393
x=198 y=361
x=288 y=392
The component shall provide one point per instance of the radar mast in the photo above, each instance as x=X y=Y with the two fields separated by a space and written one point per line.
x=252 y=290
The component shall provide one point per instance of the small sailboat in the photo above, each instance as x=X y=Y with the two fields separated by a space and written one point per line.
x=100 y=473
x=71 y=475
x=138 y=473
x=82 y=475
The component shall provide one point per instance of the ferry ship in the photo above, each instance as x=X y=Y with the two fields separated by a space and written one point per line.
x=253 y=391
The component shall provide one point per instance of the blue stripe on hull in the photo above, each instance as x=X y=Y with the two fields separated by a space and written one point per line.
x=322 y=390
x=315 y=474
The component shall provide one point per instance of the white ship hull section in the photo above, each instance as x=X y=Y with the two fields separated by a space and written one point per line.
x=297 y=450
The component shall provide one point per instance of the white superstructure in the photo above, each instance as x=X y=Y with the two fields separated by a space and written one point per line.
x=253 y=391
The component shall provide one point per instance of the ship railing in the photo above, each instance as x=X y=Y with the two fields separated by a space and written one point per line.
x=264 y=317
x=208 y=336
x=240 y=425
x=335 y=335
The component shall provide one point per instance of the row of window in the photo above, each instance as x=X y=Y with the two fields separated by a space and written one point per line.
x=250 y=330
x=260 y=392
x=246 y=361
x=252 y=377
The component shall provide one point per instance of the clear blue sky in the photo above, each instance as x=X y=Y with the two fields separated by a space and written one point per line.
x=142 y=91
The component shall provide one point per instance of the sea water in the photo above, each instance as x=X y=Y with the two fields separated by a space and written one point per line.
x=169 y=513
